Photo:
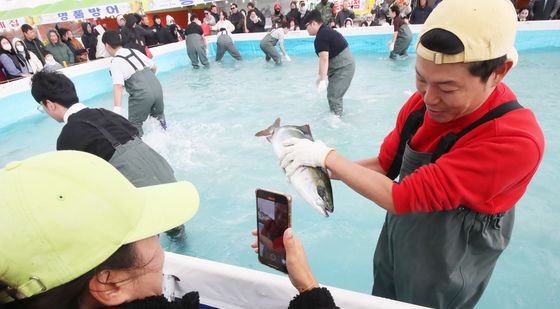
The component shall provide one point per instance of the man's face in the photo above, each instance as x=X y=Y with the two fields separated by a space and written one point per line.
x=157 y=21
x=145 y=21
x=345 y=5
x=423 y=3
x=30 y=35
x=121 y=22
x=233 y=9
x=312 y=27
x=53 y=37
x=214 y=10
x=449 y=91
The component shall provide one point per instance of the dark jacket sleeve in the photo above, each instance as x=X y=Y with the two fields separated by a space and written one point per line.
x=318 y=298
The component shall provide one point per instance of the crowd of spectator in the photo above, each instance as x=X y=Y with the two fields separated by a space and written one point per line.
x=22 y=57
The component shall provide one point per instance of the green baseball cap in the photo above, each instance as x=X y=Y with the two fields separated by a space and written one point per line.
x=63 y=213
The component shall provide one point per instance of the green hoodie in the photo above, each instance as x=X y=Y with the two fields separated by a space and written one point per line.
x=60 y=51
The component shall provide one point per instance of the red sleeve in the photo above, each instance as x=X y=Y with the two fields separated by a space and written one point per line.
x=391 y=142
x=488 y=170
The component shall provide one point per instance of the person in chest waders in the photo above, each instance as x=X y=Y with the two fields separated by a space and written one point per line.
x=465 y=150
x=99 y=132
x=136 y=72
x=225 y=43
x=268 y=44
x=196 y=43
x=336 y=63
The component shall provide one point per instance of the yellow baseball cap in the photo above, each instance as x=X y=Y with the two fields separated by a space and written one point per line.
x=485 y=27
x=64 y=213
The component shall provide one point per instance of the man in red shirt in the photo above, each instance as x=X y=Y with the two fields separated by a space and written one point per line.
x=464 y=151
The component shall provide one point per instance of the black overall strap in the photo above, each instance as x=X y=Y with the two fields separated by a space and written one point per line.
x=446 y=142
x=127 y=59
x=411 y=125
x=110 y=137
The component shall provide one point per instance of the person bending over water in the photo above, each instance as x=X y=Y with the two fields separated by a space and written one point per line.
x=336 y=63
x=268 y=44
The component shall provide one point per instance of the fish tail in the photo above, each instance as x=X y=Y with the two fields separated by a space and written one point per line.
x=270 y=130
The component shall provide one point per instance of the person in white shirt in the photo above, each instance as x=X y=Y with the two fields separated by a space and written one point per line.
x=134 y=71
x=268 y=44
x=224 y=42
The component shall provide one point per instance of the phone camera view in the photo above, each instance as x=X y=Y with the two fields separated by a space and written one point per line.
x=272 y=220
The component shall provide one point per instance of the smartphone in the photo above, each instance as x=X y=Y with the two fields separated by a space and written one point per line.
x=274 y=216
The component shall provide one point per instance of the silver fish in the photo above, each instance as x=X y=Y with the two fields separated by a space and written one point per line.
x=312 y=183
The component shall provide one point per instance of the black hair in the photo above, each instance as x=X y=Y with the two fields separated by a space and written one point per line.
x=47 y=53
x=395 y=9
x=225 y=14
x=285 y=24
x=315 y=16
x=55 y=87
x=112 y=38
x=251 y=4
x=25 y=28
x=67 y=296
x=443 y=41
x=233 y=4
x=193 y=17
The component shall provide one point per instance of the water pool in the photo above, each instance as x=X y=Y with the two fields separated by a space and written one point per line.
x=213 y=115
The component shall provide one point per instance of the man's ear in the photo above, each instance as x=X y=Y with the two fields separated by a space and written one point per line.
x=108 y=292
x=50 y=105
x=500 y=73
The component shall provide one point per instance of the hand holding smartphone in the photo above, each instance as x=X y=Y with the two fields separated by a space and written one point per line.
x=273 y=218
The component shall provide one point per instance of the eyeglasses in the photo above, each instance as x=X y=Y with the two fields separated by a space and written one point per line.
x=41 y=108
x=233 y=7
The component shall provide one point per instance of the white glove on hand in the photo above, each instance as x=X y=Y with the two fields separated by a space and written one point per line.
x=300 y=151
x=288 y=58
x=322 y=85
x=117 y=110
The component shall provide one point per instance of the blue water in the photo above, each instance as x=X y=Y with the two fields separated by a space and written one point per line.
x=213 y=115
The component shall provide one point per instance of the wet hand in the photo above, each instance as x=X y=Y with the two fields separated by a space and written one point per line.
x=288 y=58
x=298 y=152
x=322 y=85
x=117 y=110
x=298 y=270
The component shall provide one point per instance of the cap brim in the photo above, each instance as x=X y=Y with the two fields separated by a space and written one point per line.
x=166 y=206
x=513 y=56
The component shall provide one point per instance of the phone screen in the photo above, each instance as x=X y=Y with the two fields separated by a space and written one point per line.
x=273 y=218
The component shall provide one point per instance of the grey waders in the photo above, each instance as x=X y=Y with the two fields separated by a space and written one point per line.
x=340 y=74
x=268 y=46
x=145 y=95
x=225 y=43
x=140 y=164
x=438 y=259
x=195 y=50
x=404 y=37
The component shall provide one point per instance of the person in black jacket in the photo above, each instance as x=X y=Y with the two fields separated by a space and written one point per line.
x=162 y=33
x=251 y=7
x=420 y=12
x=32 y=42
x=254 y=22
x=130 y=38
x=237 y=19
x=543 y=9
x=87 y=38
x=294 y=13
x=151 y=37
